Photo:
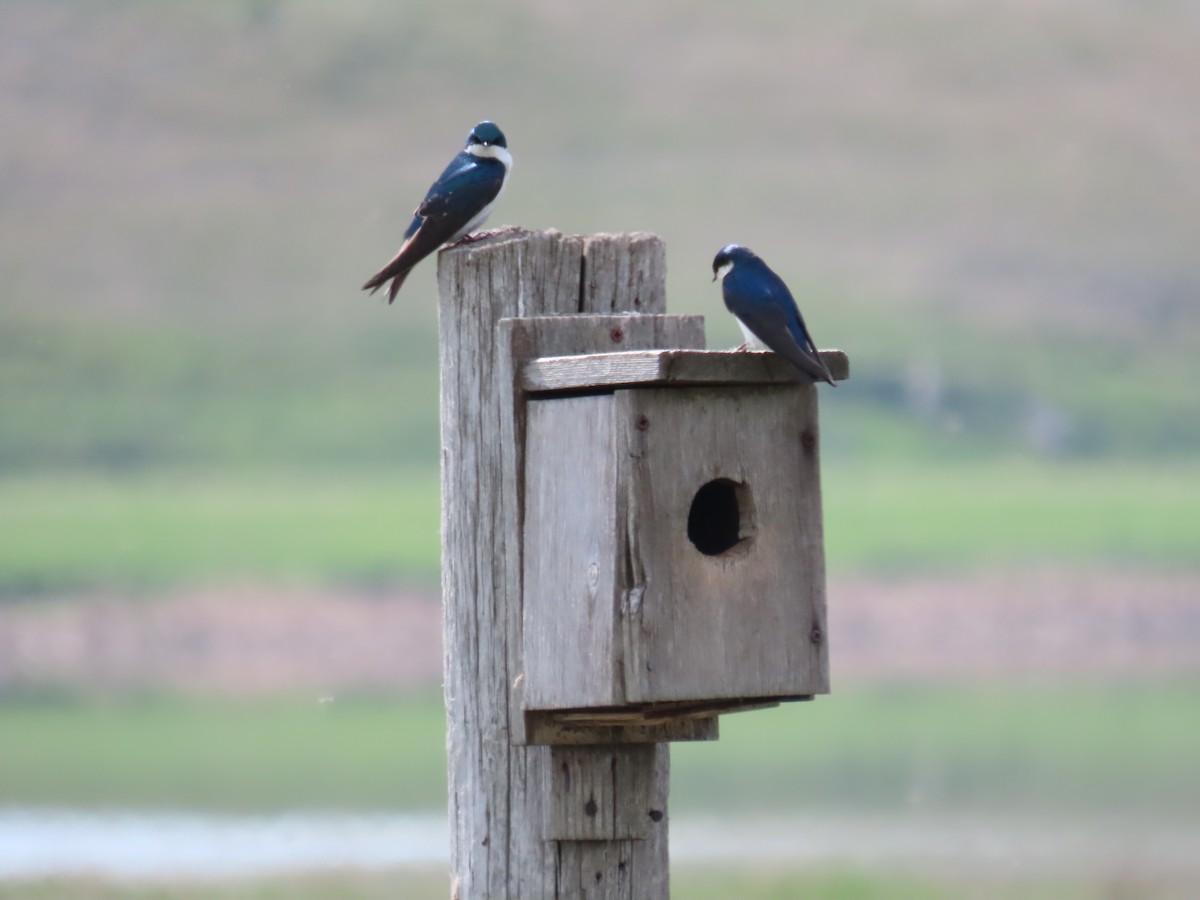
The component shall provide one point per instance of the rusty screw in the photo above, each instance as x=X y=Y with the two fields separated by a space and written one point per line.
x=808 y=440
x=617 y=335
x=641 y=423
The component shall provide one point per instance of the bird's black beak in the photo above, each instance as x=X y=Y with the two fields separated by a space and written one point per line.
x=714 y=276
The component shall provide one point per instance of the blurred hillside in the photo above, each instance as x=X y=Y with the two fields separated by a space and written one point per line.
x=992 y=209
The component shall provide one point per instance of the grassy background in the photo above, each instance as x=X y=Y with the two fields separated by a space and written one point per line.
x=695 y=883
x=1123 y=749
x=153 y=530
x=992 y=209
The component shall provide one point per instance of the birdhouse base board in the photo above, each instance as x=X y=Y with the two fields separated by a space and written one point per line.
x=639 y=723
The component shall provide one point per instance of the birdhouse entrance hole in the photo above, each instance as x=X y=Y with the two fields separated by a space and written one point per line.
x=721 y=517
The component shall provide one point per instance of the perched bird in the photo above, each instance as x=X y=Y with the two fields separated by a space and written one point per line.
x=457 y=203
x=764 y=308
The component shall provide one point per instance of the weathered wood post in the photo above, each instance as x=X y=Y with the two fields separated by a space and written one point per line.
x=498 y=787
x=589 y=616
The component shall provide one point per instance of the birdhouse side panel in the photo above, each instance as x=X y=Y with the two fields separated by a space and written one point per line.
x=724 y=543
x=569 y=539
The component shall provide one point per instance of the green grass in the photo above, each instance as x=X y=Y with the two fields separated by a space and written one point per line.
x=1086 y=748
x=1083 y=747
x=106 y=396
x=151 y=532
x=414 y=884
x=168 y=753
x=1034 y=248
x=380 y=526
x=899 y=516
x=1090 y=749
x=877 y=883
x=693 y=883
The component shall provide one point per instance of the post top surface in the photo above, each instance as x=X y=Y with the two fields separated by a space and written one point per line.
x=515 y=234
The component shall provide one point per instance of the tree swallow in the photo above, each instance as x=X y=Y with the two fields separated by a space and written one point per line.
x=457 y=203
x=765 y=310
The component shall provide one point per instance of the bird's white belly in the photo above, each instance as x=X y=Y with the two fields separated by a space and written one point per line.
x=476 y=223
x=751 y=339
x=482 y=216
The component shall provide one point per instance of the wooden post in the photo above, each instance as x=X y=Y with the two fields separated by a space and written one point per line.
x=529 y=821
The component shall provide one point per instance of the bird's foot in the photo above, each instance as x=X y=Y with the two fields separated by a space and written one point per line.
x=480 y=235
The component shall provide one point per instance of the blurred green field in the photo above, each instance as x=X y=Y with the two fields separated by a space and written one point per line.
x=177 y=753
x=153 y=531
x=94 y=395
x=992 y=209
x=101 y=395
x=1088 y=748
x=691 y=882
x=948 y=199
x=988 y=514
x=366 y=527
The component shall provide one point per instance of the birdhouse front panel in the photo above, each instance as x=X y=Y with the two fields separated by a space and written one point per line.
x=673 y=547
x=724 y=544
x=570 y=557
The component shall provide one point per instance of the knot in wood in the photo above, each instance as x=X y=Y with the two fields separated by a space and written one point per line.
x=590 y=808
x=815 y=635
x=808 y=440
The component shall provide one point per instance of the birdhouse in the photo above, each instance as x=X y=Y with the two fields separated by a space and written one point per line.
x=673 y=563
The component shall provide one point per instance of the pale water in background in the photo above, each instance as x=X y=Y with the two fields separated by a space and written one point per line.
x=41 y=842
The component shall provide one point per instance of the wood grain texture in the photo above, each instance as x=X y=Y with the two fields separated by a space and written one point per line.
x=495 y=844
x=687 y=720
x=498 y=802
x=624 y=613
x=588 y=869
x=574 y=614
x=573 y=728
x=570 y=544
x=661 y=367
x=602 y=793
x=624 y=272
x=748 y=621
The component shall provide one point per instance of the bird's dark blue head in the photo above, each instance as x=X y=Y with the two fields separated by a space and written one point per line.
x=486 y=134
x=727 y=256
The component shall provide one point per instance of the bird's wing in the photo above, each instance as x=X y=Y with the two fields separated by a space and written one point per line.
x=466 y=187
x=455 y=199
x=800 y=332
x=772 y=316
x=398 y=266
